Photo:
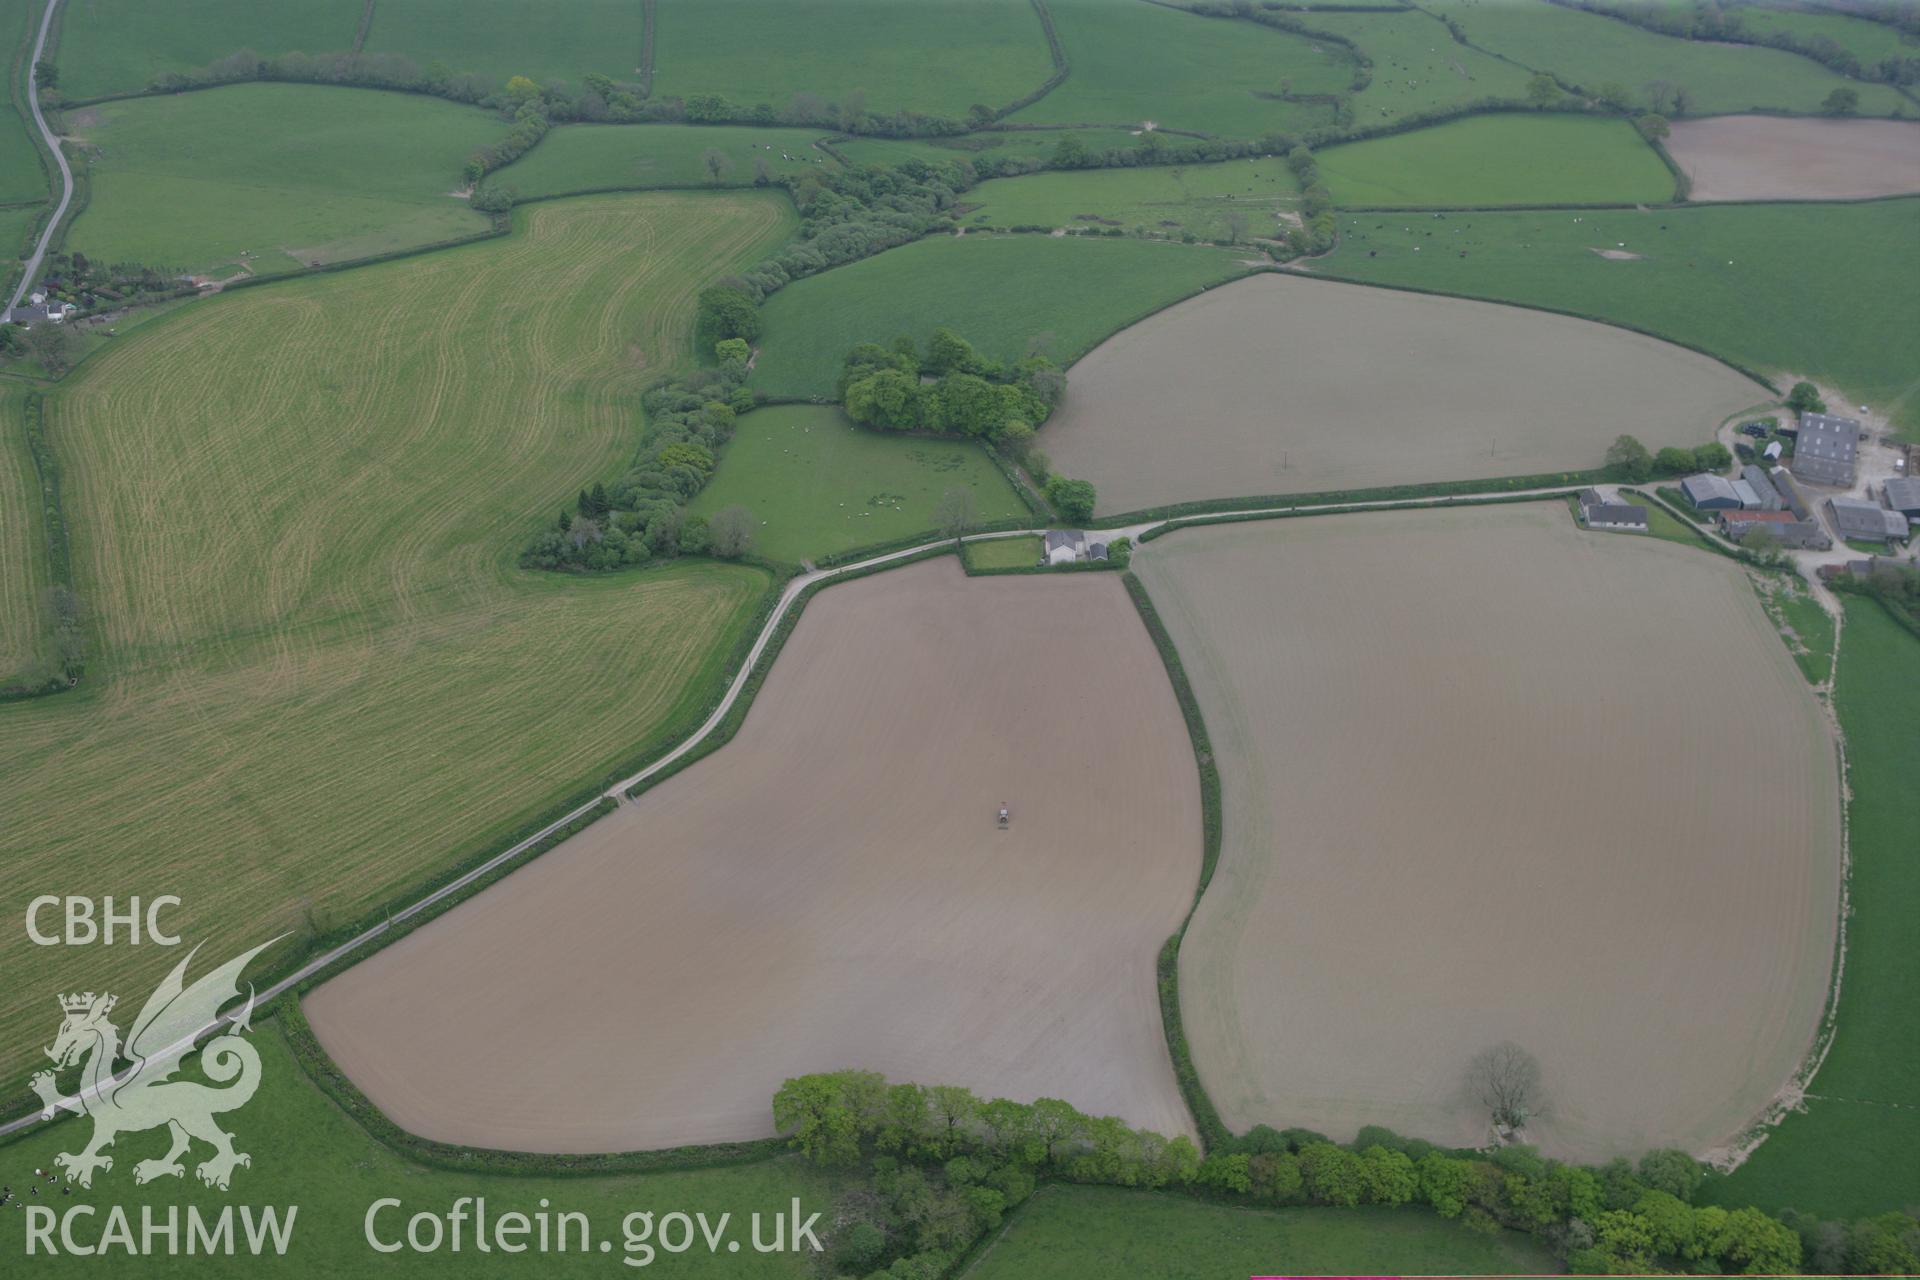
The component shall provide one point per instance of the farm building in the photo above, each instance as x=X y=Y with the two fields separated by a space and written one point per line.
x=1797 y=535
x=1772 y=452
x=1903 y=495
x=1712 y=493
x=1825 y=451
x=1064 y=546
x=1863 y=568
x=1597 y=513
x=1789 y=491
x=1756 y=478
x=1867 y=521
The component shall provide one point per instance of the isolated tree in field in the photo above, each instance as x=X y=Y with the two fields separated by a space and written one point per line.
x=730 y=532
x=956 y=512
x=1628 y=459
x=1841 y=102
x=1073 y=499
x=716 y=163
x=1506 y=1080
x=1542 y=91
x=1805 y=398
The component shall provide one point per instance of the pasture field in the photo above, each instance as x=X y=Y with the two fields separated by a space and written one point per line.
x=1004 y=553
x=1734 y=281
x=1000 y=292
x=308 y=1152
x=936 y=59
x=829 y=888
x=1138 y=62
x=819 y=484
x=1866 y=40
x=273 y=176
x=1202 y=198
x=23 y=549
x=1417 y=65
x=1590 y=51
x=1024 y=143
x=316 y=682
x=21 y=174
x=589 y=157
x=1093 y=1233
x=119 y=46
x=1504 y=159
x=1467 y=777
x=1767 y=158
x=546 y=40
x=16 y=227
x=1847 y=1154
x=1285 y=384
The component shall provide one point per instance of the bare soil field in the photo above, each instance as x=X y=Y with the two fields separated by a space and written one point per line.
x=829 y=890
x=1490 y=778
x=1279 y=384
x=1777 y=158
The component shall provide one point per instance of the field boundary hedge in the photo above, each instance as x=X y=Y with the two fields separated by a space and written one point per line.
x=1061 y=68
x=366 y=25
x=1280 y=503
x=57 y=548
x=649 y=17
x=853 y=555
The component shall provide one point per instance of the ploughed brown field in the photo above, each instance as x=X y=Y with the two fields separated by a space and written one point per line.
x=1490 y=778
x=1777 y=158
x=1279 y=384
x=829 y=890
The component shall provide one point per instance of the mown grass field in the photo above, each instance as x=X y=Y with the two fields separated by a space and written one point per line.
x=1203 y=199
x=1137 y=62
x=1590 y=51
x=317 y=682
x=591 y=157
x=937 y=59
x=991 y=143
x=285 y=174
x=309 y=1153
x=1848 y=1155
x=1004 y=553
x=1504 y=159
x=1001 y=292
x=1092 y=1233
x=21 y=176
x=23 y=556
x=119 y=46
x=1819 y=290
x=546 y=40
x=819 y=484
x=1417 y=66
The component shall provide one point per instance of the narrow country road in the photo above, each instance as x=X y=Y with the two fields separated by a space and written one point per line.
x=59 y=158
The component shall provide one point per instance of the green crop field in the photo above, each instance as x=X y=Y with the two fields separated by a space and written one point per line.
x=1137 y=62
x=590 y=157
x=284 y=174
x=818 y=484
x=1417 y=65
x=23 y=557
x=1025 y=144
x=21 y=175
x=547 y=40
x=1865 y=40
x=1004 y=553
x=317 y=680
x=309 y=1154
x=936 y=59
x=1849 y=1154
x=1091 y=1233
x=1590 y=51
x=119 y=46
x=1818 y=290
x=1001 y=292
x=1202 y=199
x=1505 y=159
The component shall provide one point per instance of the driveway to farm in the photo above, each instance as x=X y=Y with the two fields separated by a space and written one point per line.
x=59 y=158
x=798 y=584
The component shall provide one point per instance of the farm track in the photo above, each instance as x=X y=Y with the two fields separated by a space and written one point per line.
x=53 y=144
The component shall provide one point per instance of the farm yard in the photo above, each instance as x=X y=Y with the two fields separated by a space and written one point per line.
x=830 y=887
x=1312 y=386
x=598 y=157
x=1570 y=718
x=250 y=651
x=1766 y=158
x=820 y=485
x=1003 y=292
x=1210 y=201
x=271 y=178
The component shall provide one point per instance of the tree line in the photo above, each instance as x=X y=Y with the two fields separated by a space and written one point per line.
x=1714 y=21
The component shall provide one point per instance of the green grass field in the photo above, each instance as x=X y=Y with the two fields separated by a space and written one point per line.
x=317 y=680
x=1865 y=40
x=1001 y=292
x=1820 y=290
x=21 y=175
x=1417 y=66
x=1590 y=50
x=1504 y=159
x=1092 y=1233
x=1849 y=1154
x=991 y=143
x=937 y=59
x=310 y=1154
x=119 y=46
x=23 y=556
x=1004 y=553
x=547 y=40
x=286 y=174
x=1138 y=62
x=1203 y=199
x=819 y=484
x=589 y=157
x=1806 y=627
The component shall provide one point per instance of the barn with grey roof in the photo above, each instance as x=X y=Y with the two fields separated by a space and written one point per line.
x=1866 y=521
x=1826 y=449
x=1711 y=493
x=1903 y=495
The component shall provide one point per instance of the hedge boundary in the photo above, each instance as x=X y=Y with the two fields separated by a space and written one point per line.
x=648 y=45
x=1289 y=502
x=1061 y=68
x=53 y=529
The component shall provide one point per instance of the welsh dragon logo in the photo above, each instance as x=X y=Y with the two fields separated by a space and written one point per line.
x=145 y=1095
